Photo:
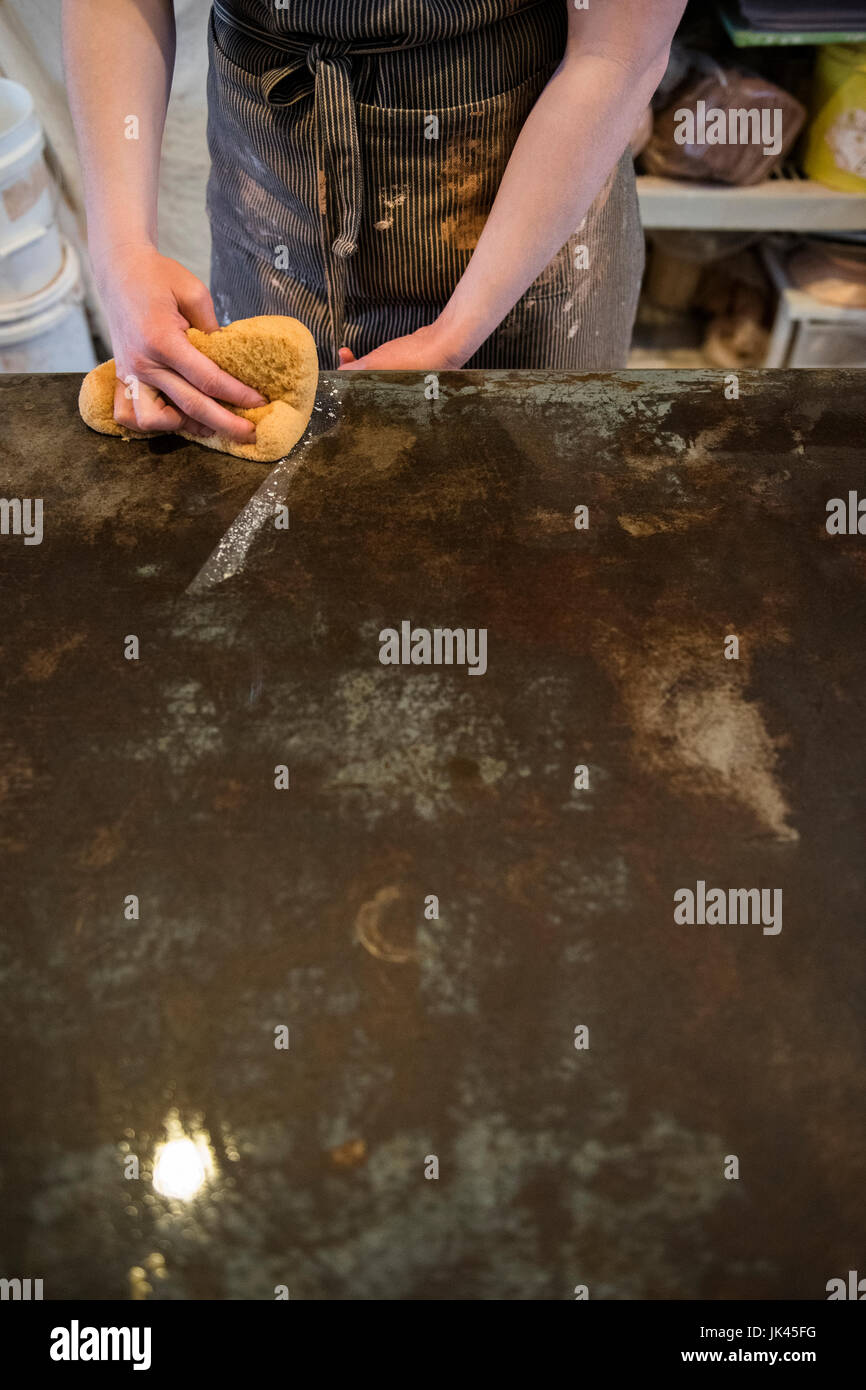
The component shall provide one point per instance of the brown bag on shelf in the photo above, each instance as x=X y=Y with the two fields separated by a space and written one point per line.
x=725 y=126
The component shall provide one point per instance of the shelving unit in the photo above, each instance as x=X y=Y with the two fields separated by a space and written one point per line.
x=787 y=202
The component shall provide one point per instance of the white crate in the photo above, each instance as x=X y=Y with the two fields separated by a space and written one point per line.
x=807 y=332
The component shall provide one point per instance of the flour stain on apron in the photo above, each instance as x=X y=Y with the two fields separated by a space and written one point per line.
x=389 y=203
x=464 y=183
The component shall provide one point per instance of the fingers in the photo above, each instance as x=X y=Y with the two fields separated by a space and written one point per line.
x=123 y=411
x=149 y=412
x=196 y=305
x=188 y=426
x=200 y=408
x=166 y=402
x=207 y=377
x=139 y=407
x=348 y=361
x=194 y=301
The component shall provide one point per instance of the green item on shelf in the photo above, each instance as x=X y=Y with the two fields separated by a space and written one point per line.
x=744 y=36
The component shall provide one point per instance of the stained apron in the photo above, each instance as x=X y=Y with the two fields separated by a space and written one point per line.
x=356 y=150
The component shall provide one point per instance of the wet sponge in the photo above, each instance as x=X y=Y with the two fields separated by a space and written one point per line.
x=275 y=355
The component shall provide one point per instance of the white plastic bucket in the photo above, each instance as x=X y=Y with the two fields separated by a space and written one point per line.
x=27 y=194
x=48 y=331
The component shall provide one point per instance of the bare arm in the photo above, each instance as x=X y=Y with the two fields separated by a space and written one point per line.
x=119 y=57
x=615 y=58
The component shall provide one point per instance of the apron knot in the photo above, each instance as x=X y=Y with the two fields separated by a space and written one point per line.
x=324 y=49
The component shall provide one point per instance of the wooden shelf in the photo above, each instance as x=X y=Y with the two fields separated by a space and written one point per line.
x=779 y=205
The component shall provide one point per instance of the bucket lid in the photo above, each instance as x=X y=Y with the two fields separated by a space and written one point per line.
x=63 y=282
x=24 y=330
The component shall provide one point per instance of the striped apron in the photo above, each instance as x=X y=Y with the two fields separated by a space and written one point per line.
x=356 y=149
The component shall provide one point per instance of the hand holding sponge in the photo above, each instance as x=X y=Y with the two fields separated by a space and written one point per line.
x=275 y=355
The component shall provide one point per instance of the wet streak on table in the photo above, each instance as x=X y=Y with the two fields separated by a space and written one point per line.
x=452 y=1037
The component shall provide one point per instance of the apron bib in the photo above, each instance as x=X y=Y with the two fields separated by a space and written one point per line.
x=356 y=151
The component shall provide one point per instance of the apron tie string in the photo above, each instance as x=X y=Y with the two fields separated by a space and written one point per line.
x=338 y=165
x=338 y=158
x=329 y=62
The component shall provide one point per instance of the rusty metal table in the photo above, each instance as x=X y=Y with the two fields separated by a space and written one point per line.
x=413 y=1037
